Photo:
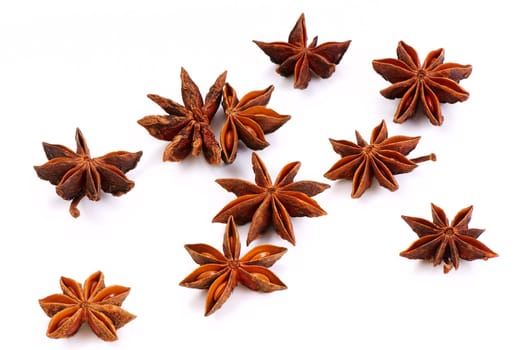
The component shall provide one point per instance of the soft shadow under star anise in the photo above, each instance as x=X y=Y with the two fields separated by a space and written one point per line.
x=432 y=83
x=248 y=120
x=295 y=57
x=440 y=242
x=77 y=174
x=383 y=158
x=221 y=273
x=187 y=128
x=94 y=303
x=264 y=203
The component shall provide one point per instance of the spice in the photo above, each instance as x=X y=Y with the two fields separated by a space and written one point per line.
x=76 y=175
x=187 y=128
x=440 y=242
x=431 y=84
x=221 y=273
x=295 y=57
x=247 y=119
x=93 y=303
x=264 y=203
x=383 y=158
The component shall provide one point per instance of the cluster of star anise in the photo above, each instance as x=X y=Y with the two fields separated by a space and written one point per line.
x=265 y=204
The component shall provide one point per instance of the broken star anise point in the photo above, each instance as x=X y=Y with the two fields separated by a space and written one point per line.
x=76 y=174
x=381 y=159
x=94 y=303
x=443 y=242
x=247 y=119
x=220 y=272
x=265 y=203
x=429 y=84
x=187 y=128
x=297 y=58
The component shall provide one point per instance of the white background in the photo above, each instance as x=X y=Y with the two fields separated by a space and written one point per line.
x=66 y=64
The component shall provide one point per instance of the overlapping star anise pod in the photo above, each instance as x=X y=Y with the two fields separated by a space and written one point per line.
x=430 y=84
x=248 y=120
x=76 y=174
x=440 y=241
x=295 y=57
x=383 y=158
x=265 y=203
x=221 y=273
x=187 y=128
x=94 y=303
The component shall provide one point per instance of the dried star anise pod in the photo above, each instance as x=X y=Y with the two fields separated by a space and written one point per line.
x=221 y=273
x=264 y=203
x=432 y=83
x=248 y=119
x=440 y=242
x=383 y=158
x=94 y=303
x=77 y=174
x=187 y=128
x=295 y=57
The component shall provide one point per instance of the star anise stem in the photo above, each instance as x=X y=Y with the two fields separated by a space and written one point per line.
x=421 y=159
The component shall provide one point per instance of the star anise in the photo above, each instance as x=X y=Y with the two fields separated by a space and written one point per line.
x=264 y=203
x=187 y=128
x=248 y=119
x=77 y=174
x=221 y=273
x=432 y=83
x=440 y=242
x=383 y=158
x=295 y=57
x=93 y=303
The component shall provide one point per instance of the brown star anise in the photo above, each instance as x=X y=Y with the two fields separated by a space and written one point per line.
x=440 y=242
x=221 y=273
x=433 y=83
x=295 y=57
x=187 y=128
x=77 y=174
x=383 y=158
x=95 y=304
x=264 y=203
x=248 y=119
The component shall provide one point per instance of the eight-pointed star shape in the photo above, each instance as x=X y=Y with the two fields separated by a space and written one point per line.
x=440 y=242
x=264 y=203
x=432 y=83
x=383 y=158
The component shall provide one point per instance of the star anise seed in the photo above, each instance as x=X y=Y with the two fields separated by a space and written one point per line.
x=432 y=83
x=295 y=57
x=93 y=303
x=76 y=175
x=383 y=158
x=248 y=120
x=440 y=242
x=187 y=128
x=221 y=273
x=264 y=203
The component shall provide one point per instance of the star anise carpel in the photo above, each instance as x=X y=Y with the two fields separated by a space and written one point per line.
x=247 y=119
x=382 y=158
x=430 y=84
x=76 y=174
x=221 y=273
x=297 y=58
x=187 y=128
x=94 y=303
x=265 y=203
x=440 y=241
